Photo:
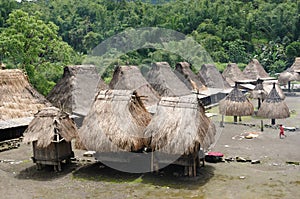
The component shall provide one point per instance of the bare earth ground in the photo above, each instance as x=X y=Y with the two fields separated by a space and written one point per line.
x=273 y=178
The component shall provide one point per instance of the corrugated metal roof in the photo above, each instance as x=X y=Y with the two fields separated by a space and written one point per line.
x=6 y=124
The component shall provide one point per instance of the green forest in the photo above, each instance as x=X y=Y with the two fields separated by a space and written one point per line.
x=43 y=36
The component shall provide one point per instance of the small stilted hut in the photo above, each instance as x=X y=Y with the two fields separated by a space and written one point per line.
x=232 y=74
x=51 y=132
x=291 y=74
x=273 y=107
x=76 y=90
x=211 y=77
x=115 y=122
x=131 y=78
x=165 y=82
x=179 y=129
x=235 y=104
x=188 y=77
x=254 y=70
x=259 y=92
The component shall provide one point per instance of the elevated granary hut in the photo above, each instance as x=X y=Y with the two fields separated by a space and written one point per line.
x=131 y=78
x=165 y=82
x=274 y=107
x=254 y=70
x=18 y=99
x=232 y=73
x=180 y=127
x=115 y=122
x=211 y=77
x=51 y=132
x=76 y=90
x=236 y=104
x=188 y=77
x=291 y=74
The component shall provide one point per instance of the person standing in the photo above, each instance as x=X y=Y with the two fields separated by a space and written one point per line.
x=281 y=131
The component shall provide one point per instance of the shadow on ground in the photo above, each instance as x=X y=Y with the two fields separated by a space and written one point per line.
x=46 y=173
x=171 y=176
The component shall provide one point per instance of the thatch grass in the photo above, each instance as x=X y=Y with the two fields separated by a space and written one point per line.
x=259 y=92
x=165 y=82
x=232 y=73
x=46 y=124
x=290 y=74
x=77 y=88
x=180 y=126
x=17 y=97
x=274 y=107
x=211 y=77
x=188 y=77
x=115 y=122
x=236 y=104
x=254 y=70
x=131 y=78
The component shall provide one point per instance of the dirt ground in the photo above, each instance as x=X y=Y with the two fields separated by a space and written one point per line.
x=272 y=178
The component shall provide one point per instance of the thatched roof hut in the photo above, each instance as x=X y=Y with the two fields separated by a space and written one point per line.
x=115 y=122
x=180 y=126
x=274 y=107
x=165 y=82
x=211 y=77
x=76 y=90
x=131 y=78
x=268 y=86
x=290 y=74
x=236 y=104
x=188 y=77
x=48 y=123
x=296 y=65
x=254 y=70
x=18 y=99
x=233 y=73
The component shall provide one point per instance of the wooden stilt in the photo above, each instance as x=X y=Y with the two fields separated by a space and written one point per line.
x=273 y=121
x=235 y=119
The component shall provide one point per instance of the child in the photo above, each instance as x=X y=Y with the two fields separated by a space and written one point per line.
x=281 y=131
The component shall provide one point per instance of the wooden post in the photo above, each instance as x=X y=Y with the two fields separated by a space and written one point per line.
x=222 y=121
x=273 y=121
x=235 y=119
x=261 y=125
x=240 y=118
x=289 y=86
x=259 y=103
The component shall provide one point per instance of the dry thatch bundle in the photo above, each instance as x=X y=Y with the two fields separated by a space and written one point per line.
x=115 y=122
x=296 y=64
x=49 y=123
x=180 y=126
x=165 y=82
x=254 y=70
x=17 y=97
x=131 y=78
x=274 y=107
x=211 y=77
x=232 y=73
x=76 y=90
x=188 y=77
x=236 y=104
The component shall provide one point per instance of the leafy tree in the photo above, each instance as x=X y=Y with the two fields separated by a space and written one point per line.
x=30 y=44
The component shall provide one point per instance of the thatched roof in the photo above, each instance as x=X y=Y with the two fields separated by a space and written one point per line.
x=254 y=70
x=236 y=104
x=211 y=77
x=290 y=74
x=296 y=64
x=269 y=85
x=259 y=92
x=115 y=122
x=47 y=123
x=233 y=73
x=165 y=82
x=131 y=78
x=274 y=107
x=180 y=126
x=76 y=90
x=188 y=77
x=18 y=98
